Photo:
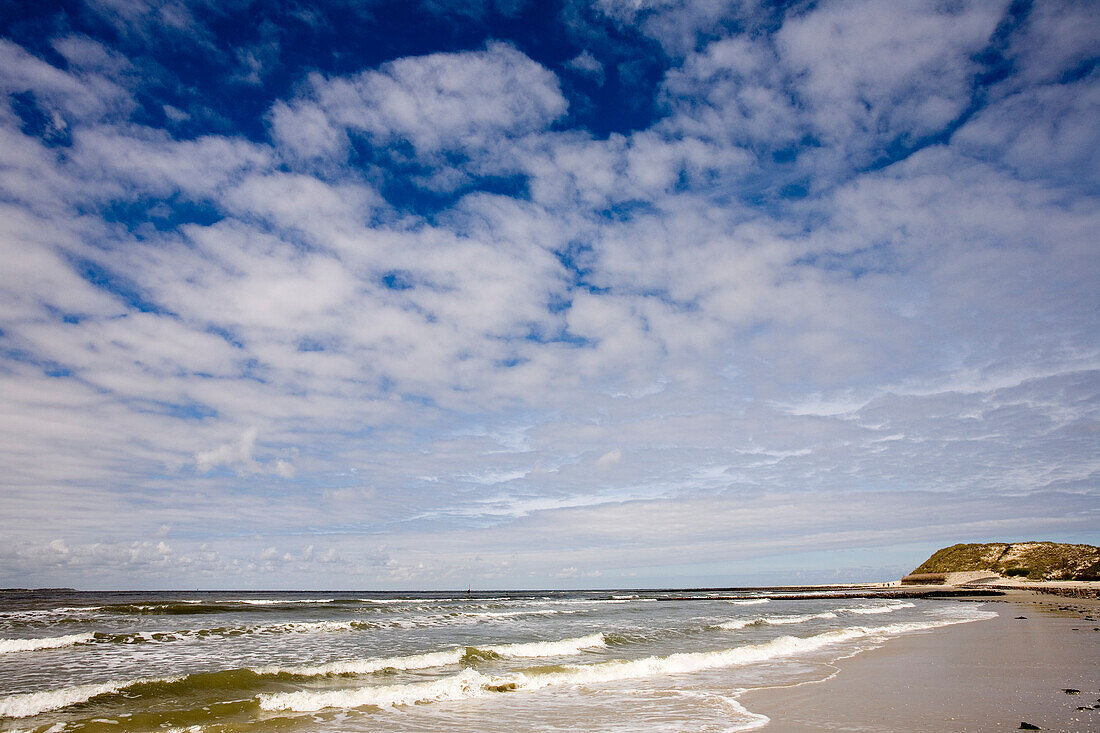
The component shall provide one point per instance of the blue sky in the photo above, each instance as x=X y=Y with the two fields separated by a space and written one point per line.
x=617 y=293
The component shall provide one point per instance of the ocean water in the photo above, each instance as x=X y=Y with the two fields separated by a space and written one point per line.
x=291 y=661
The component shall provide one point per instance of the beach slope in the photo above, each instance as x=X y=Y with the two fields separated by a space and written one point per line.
x=988 y=675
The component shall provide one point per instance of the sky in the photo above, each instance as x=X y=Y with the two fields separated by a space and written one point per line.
x=543 y=294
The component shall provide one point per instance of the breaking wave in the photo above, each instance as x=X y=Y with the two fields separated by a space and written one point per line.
x=470 y=683
x=778 y=620
x=866 y=610
x=562 y=648
x=467 y=683
x=282 y=601
x=742 y=623
x=49 y=642
x=33 y=703
x=177 y=635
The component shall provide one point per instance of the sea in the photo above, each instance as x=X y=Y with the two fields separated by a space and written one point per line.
x=621 y=660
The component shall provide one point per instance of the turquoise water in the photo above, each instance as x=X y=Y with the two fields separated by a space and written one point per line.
x=254 y=661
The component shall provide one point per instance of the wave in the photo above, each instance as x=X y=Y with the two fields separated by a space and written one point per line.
x=467 y=683
x=368 y=666
x=58 y=610
x=50 y=642
x=428 y=660
x=750 y=602
x=188 y=607
x=511 y=614
x=32 y=703
x=281 y=601
x=579 y=601
x=736 y=624
x=27 y=704
x=438 y=601
x=177 y=635
x=169 y=609
x=564 y=647
x=868 y=610
x=470 y=683
x=458 y=618
x=290 y=627
x=47 y=615
x=742 y=623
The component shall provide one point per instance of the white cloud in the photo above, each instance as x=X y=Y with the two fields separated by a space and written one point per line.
x=886 y=69
x=825 y=371
x=610 y=458
x=588 y=65
x=447 y=101
x=240 y=456
x=1057 y=36
x=160 y=165
x=1045 y=131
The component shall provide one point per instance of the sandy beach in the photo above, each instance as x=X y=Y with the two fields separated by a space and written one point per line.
x=990 y=675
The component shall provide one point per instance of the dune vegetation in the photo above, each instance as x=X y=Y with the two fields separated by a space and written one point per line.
x=1033 y=560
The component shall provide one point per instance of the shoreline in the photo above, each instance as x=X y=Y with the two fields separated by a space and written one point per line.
x=985 y=675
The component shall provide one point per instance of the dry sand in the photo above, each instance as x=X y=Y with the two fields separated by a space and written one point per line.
x=981 y=676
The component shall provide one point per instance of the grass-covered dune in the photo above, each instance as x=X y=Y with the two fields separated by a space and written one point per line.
x=1034 y=560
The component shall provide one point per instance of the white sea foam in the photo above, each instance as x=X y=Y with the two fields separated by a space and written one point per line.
x=686 y=662
x=428 y=660
x=307 y=626
x=748 y=720
x=281 y=601
x=369 y=666
x=437 y=601
x=511 y=614
x=49 y=642
x=470 y=683
x=580 y=601
x=180 y=635
x=169 y=636
x=798 y=618
x=751 y=602
x=741 y=623
x=461 y=618
x=466 y=684
x=869 y=610
x=32 y=703
x=67 y=610
x=562 y=648
x=754 y=720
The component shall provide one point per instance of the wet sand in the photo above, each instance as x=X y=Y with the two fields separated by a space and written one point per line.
x=987 y=675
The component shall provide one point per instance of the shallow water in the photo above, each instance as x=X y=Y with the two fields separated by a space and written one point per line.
x=244 y=661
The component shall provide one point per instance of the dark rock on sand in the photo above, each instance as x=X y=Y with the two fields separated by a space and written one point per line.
x=1028 y=726
x=1019 y=617
x=1071 y=691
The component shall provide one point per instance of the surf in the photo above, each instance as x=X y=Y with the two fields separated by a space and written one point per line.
x=470 y=683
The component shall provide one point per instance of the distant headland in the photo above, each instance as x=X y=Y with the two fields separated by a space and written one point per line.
x=1049 y=567
x=1033 y=560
